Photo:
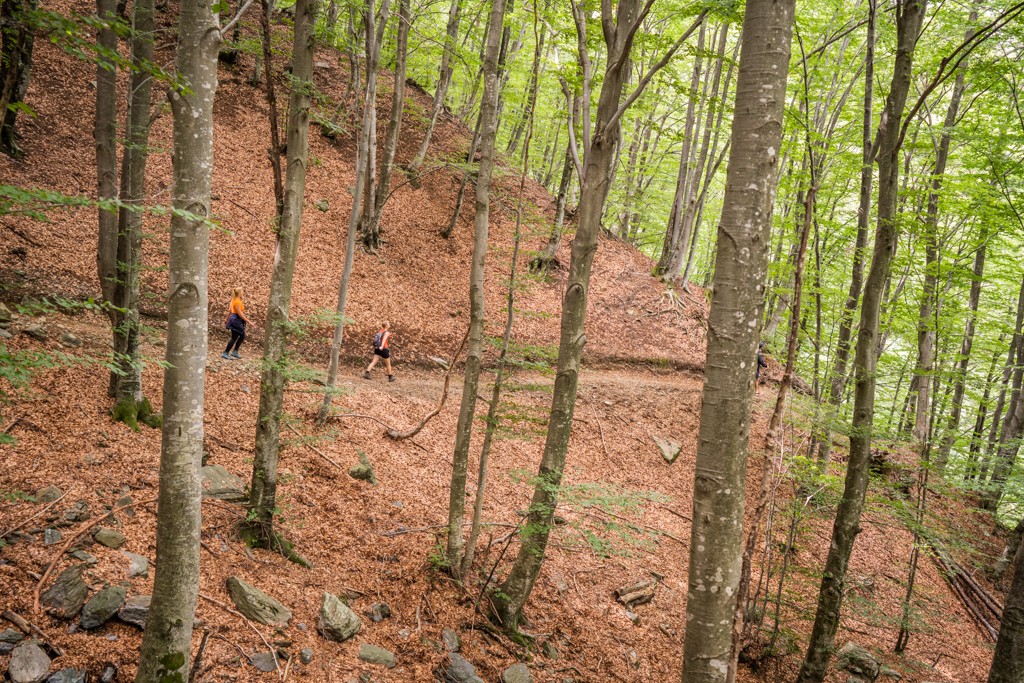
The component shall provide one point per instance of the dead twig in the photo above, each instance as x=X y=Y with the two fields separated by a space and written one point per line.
x=313 y=448
x=198 y=662
x=27 y=521
x=29 y=628
x=273 y=652
x=397 y=435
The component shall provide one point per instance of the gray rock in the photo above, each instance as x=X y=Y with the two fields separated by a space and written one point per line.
x=306 y=655
x=83 y=556
x=337 y=621
x=891 y=673
x=376 y=655
x=517 y=673
x=857 y=661
x=9 y=635
x=48 y=494
x=5 y=333
x=670 y=450
x=451 y=639
x=109 y=537
x=109 y=674
x=102 y=607
x=68 y=676
x=321 y=204
x=52 y=536
x=5 y=315
x=459 y=670
x=264 y=661
x=220 y=484
x=137 y=565
x=379 y=611
x=69 y=339
x=363 y=471
x=29 y=663
x=74 y=515
x=5 y=648
x=135 y=610
x=549 y=649
x=255 y=604
x=126 y=502
x=67 y=594
x=37 y=332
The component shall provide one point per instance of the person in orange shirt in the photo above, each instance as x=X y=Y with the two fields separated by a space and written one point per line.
x=236 y=322
x=381 y=349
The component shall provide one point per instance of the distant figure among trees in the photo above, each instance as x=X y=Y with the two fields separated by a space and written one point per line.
x=381 y=349
x=236 y=322
x=761 y=362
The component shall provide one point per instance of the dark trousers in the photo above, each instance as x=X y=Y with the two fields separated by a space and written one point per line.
x=237 y=337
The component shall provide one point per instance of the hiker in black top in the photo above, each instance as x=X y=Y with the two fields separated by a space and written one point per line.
x=381 y=350
x=761 y=363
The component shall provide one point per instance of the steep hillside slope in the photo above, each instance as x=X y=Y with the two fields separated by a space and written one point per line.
x=419 y=280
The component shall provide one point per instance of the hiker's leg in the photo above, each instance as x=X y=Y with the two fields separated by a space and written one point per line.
x=233 y=342
x=387 y=365
x=372 y=363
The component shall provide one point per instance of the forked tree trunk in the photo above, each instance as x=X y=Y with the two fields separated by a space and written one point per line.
x=974 y=449
x=105 y=134
x=474 y=353
x=129 y=239
x=1008 y=661
x=443 y=80
x=166 y=642
x=737 y=305
x=542 y=262
x=838 y=383
x=274 y=151
x=369 y=229
x=594 y=167
x=275 y=338
x=847 y=522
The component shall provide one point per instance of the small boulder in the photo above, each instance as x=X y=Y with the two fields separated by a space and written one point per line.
x=135 y=610
x=48 y=494
x=52 y=536
x=255 y=604
x=83 y=556
x=306 y=655
x=264 y=661
x=68 y=676
x=220 y=484
x=451 y=639
x=69 y=339
x=9 y=635
x=857 y=661
x=29 y=663
x=5 y=315
x=37 y=332
x=337 y=621
x=109 y=537
x=137 y=565
x=67 y=594
x=363 y=471
x=517 y=673
x=459 y=670
x=321 y=204
x=670 y=450
x=376 y=655
x=379 y=611
x=102 y=606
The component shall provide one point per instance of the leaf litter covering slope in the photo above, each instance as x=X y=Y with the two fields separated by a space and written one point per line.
x=418 y=281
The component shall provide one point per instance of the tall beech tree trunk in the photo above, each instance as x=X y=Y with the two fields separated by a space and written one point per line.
x=105 y=134
x=847 y=522
x=716 y=542
x=363 y=146
x=594 y=168
x=369 y=229
x=263 y=495
x=543 y=261
x=444 y=78
x=974 y=449
x=16 y=42
x=128 y=392
x=274 y=151
x=1008 y=661
x=837 y=386
x=166 y=642
x=474 y=353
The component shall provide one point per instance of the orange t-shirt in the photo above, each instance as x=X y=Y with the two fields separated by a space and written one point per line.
x=237 y=307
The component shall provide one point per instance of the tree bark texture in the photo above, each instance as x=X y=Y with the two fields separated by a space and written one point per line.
x=16 y=43
x=369 y=229
x=474 y=352
x=737 y=305
x=105 y=134
x=167 y=639
x=275 y=338
x=1008 y=661
x=443 y=80
x=847 y=522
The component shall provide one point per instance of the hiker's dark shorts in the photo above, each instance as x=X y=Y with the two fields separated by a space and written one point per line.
x=383 y=353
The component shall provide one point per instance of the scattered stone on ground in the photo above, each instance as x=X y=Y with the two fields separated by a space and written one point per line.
x=67 y=594
x=451 y=639
x=83 y=556
x=102 y=606
x=137 y=565
x=29 y=663
x=858 y=662
x=48 y=494
x=69 y=339
x=670 y=450
x=517 y=673
x=364 y=470
x=109 y=537
x=37 y=332
x=79 y=512
x=52 y=536
x=220 y=484
x=549 y=649
x=376 y=655
x=379 y=611
x=8 y=639
x=306 y=655
x=68 y=676
x=255 y=604
x=135 y=610
x=264 y=661
x=459 y=670
x=125 y=503
x=337 y=621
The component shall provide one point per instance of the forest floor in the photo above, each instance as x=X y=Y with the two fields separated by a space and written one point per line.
x=378 y=543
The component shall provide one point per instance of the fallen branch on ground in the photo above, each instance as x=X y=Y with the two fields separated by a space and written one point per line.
x=313 y=448
x=397 y=435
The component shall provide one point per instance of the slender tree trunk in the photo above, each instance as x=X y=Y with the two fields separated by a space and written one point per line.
x=16 y=42
x=847 y=522
x=275 y=339
x=368 y=228
x=1013 y=360
x=274 y=151
x=166 y=642
x=844 y=335
x=716 y=543
x=543 y=261
x=128 y=391
x=105 y=134
x=474 y=353
x=443 y=80
x=1008 y=661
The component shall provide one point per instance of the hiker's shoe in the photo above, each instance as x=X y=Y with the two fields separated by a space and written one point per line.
x=366 y=375
x=391 y=378
x=225 y=355
x=236 y=356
